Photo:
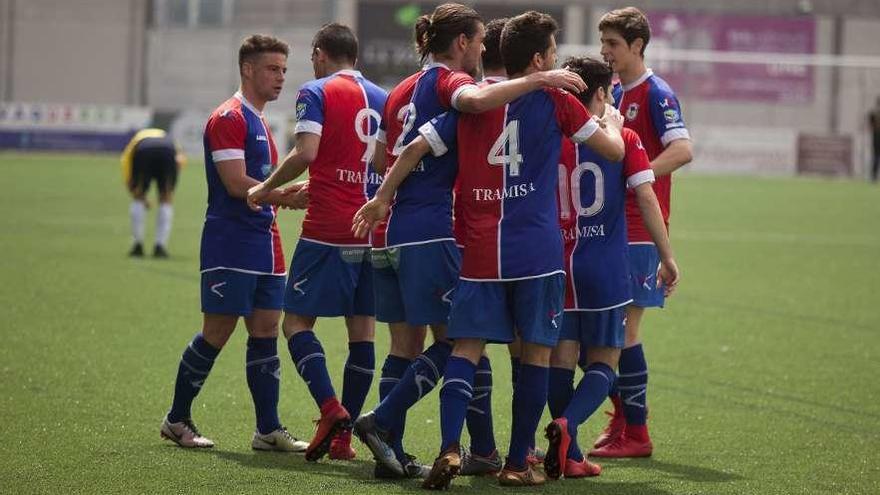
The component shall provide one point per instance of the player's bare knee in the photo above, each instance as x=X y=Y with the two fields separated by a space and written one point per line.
x=536 y=354
x=633 y=324
x=216 y=329
x=470 y=349
x=606 y=355
x=407 y=341
x=515 y=348
x=565 y=355
x=361 y=328
x=294 y=324
x=439 y=333
x=263 y=324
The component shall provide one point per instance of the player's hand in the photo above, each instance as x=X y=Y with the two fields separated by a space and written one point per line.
x=373 y=212
x=256 y=197
x=613 y=118
x=563 y=79
x=295 y=197
x=668 y=276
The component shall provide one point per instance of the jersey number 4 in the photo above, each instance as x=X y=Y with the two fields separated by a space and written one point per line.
x=505 y=151
x=570 y=191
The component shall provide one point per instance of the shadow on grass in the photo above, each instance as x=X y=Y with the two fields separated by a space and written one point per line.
x=591 y=486
x=357 y=470
x=680 y=471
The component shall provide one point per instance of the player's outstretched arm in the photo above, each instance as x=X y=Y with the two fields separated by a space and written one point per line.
x=376 y=209
x=653 y=218
x=494 y=95
x=295 y=163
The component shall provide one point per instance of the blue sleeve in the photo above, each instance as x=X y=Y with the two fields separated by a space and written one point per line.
x=310 y=109
x=377 y=98
x=441 y=132
x=666 y=114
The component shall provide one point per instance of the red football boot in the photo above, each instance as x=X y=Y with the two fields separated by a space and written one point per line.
x=340 y=447
x=634 y=442
x=583 y=469
x=615 y=425
x=557 y=452
x=334 y=419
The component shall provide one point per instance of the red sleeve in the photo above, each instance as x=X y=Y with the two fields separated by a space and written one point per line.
x=449 y=86
x=636 y=166
x=574 y=119
x=226 y=132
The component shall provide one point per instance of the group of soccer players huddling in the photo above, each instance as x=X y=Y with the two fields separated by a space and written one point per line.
x=522 y=209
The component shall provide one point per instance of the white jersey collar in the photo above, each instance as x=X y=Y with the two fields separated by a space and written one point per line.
x=644 y=77
x=248 y=104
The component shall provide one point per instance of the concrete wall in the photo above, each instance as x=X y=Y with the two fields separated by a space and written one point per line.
x=88 y=51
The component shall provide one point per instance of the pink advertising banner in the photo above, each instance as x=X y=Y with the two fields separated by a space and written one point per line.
x=762 y=83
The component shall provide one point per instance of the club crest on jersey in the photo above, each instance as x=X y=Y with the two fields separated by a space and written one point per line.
x=671 y=115
x=266 y=169
x=632 y=111
x=301 y=110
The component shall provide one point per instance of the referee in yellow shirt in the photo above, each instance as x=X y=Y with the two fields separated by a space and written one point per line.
x=151 y=155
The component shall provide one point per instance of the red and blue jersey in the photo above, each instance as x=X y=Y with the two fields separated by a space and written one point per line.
x=345 y=109
x=234 y=236
x=508 y=173
x=457 y=222
x=422 y=208
x=650 y=108
x=592 y=197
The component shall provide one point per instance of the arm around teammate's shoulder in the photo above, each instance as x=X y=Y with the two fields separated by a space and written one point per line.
x=477 y=100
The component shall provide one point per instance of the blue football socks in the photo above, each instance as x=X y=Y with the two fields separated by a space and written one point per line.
x=311 y=364
x=358 y=376
x=195 y=364
x=479 y=412
x=263 y=371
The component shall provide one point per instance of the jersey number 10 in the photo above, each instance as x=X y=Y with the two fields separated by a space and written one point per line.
x=570 y=191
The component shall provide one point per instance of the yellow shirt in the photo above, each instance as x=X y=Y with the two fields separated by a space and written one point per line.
x=128 y=152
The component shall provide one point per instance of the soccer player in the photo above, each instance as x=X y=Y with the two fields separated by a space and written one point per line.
x=508 y=176
x=242 y=262
x=151 y=155
x=650 y=108
x=415 y=259
x=592 y=194
x=331 y=275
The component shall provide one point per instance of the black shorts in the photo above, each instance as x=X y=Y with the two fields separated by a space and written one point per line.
x=154 y=159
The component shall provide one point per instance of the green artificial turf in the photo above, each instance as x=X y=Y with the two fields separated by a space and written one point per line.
x=763 y=365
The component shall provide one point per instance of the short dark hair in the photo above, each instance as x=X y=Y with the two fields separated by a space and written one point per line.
x=630 y=22
x=595 y=73
x=337 y=41
x=492 y=56
x=434 y=33
x=258 y=44
x=523 y=37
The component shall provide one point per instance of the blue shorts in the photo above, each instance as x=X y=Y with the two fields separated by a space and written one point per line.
x=329 y=281
x=414 y=284
x=229 y=292
x=496 y=311
x=643 y=263
x=595 y=328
